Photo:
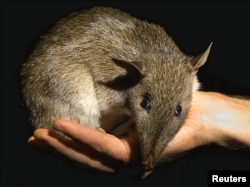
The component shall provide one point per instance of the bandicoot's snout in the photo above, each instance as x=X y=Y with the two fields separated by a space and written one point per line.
x=148 y=165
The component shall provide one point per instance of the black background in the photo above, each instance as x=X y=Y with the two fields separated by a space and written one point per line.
x=192 y=25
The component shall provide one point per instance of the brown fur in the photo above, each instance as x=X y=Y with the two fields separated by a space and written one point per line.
x=95 y=67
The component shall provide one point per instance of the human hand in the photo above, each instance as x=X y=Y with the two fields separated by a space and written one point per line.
x=92 y=148
x=213 y=118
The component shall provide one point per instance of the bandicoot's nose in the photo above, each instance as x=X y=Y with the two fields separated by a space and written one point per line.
x=148 y=166
x=146 y=173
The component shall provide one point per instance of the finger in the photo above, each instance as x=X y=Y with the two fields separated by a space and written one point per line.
x=120 y=149
x=73 y=150
x=35 y=143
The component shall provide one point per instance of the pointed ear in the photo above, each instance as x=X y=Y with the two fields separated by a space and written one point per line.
x=133 y=68
x=200 y=60
x=133 y=76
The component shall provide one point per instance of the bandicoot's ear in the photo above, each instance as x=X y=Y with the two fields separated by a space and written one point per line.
x=133 y=76
x=133 y=67
x=200 y=60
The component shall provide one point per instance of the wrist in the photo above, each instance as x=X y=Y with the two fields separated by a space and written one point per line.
x=224 y=118
x=237 y=126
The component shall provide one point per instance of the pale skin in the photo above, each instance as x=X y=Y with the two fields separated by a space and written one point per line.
x=213 y=118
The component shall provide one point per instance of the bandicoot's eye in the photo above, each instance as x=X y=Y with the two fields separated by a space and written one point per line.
x=146 y=101
x=177 y=111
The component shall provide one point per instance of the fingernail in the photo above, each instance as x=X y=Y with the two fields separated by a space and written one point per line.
x=31 y=139
x=33 y=143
